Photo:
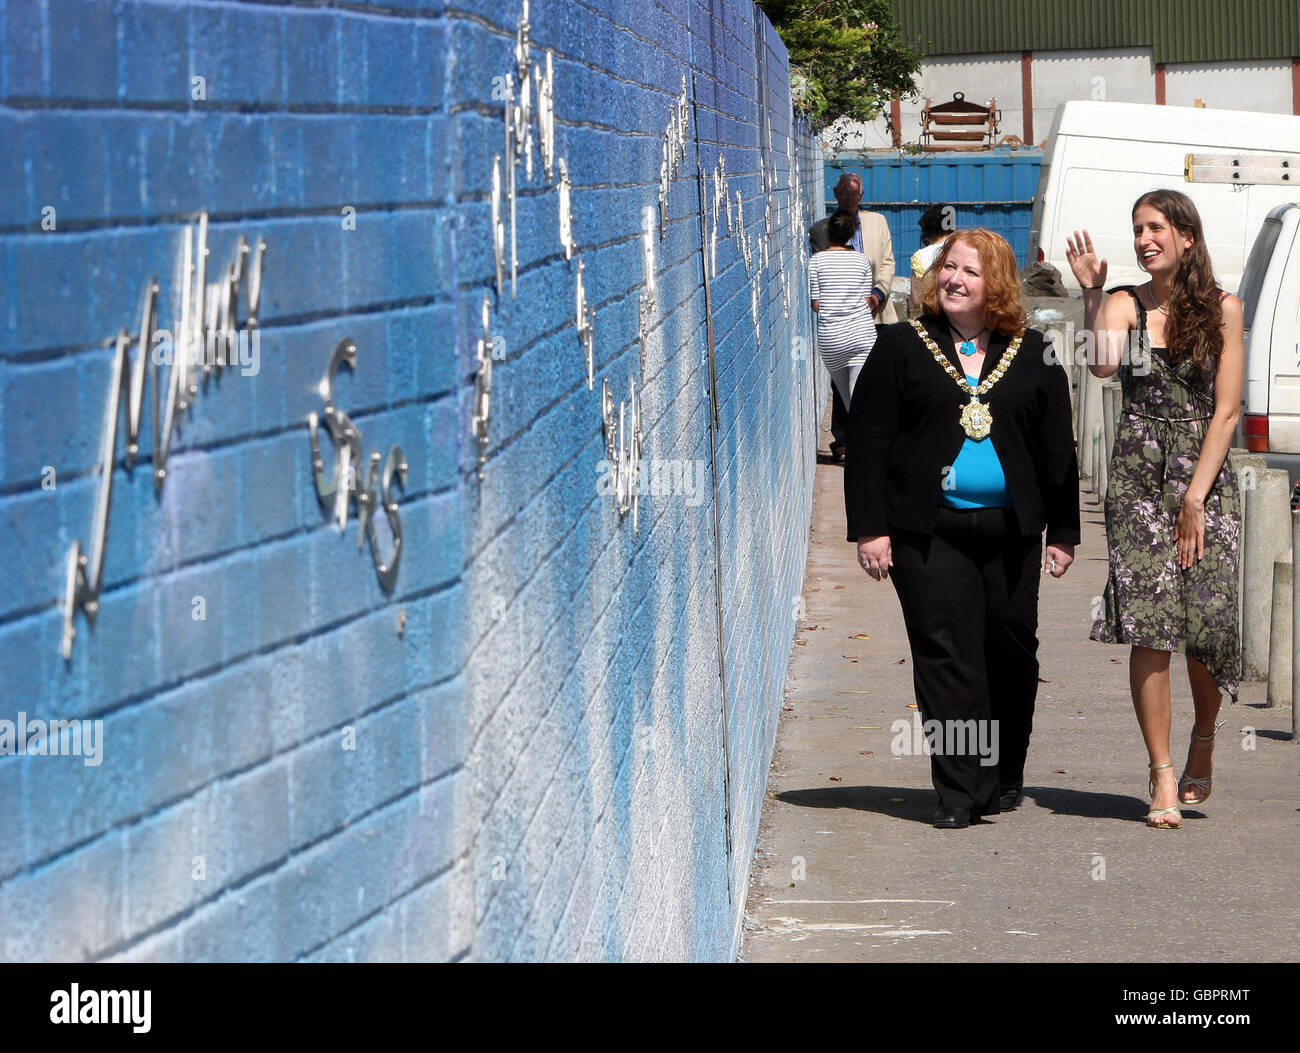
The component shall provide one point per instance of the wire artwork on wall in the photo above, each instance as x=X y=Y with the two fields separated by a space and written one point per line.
x=208 y=339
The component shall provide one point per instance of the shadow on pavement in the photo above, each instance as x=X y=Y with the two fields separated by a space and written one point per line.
x=1094 y=805
x=900 y=802
x=917 y=805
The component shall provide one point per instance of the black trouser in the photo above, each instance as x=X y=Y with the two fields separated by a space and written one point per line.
x=970 y=602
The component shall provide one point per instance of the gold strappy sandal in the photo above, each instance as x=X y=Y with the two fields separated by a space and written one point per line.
x=1156 y=813
x=1203 y=784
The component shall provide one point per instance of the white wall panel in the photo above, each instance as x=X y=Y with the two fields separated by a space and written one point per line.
x=1262 y=86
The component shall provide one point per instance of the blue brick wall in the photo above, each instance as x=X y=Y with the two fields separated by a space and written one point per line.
x=542 y=751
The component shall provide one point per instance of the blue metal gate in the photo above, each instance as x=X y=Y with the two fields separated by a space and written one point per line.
x=993 y=189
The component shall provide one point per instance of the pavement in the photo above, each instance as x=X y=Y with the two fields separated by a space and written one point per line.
x=848 y=867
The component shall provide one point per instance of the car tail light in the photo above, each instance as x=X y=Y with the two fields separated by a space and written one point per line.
x=1255 y=429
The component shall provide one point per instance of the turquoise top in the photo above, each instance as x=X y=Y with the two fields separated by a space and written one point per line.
x=975 y=479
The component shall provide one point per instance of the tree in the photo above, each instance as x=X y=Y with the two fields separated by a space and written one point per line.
x=847 y=57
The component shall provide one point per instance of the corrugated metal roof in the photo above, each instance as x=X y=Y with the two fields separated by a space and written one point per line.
x=1175 y=30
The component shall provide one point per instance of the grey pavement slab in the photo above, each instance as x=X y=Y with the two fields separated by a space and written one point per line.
x=848 y=867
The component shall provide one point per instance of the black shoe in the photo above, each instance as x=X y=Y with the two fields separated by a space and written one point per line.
x=951 y=818
x=1009 y=799
x=837 y=452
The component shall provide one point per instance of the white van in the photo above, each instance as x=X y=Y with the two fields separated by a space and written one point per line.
x=1102 y=156
x=1270 y=300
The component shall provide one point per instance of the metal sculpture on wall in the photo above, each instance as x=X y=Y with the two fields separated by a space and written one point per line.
x=566 y=213
x=586 y=322
x=527 y=76
x=766 y=183
x=545 y=85
x=341 y=485
x=529 y=100
x=513 y=116
x=623 y=441
x=522 y=83
x=782 y=207
x=747 y=252
x=483 y=387
x=498 y=227
x=742 y=232
x=785 y=281
x=674 y=153
x=720 y=202
x=647 y=301
x=520 y=128
x=207 y=340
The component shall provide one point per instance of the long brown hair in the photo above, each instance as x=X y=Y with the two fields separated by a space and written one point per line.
x=1003 y=311
x=1193 y=329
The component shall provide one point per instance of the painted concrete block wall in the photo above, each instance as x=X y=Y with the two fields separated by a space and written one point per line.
x=595 y=691
x=536 y=708
x=226 y=820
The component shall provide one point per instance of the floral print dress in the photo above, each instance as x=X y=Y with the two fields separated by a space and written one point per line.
x=1150 y=601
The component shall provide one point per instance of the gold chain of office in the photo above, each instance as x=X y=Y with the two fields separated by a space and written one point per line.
x=976 y=418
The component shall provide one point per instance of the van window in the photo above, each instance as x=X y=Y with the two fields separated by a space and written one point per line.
x=1257 y=267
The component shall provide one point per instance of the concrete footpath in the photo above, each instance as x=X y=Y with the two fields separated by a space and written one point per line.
x=848 y=867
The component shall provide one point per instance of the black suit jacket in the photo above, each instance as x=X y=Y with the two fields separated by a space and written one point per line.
x=904 y=431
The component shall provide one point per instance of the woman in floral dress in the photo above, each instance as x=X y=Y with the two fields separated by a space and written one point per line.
x=1172 y=513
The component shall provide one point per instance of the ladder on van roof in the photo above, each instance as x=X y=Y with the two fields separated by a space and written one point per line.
x=1266 y=169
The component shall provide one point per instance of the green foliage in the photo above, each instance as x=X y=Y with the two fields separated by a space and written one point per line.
x=847 y=57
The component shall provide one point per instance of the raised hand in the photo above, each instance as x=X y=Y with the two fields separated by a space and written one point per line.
x=1089 y=269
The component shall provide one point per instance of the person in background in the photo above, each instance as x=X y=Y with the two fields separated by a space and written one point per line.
x=1172 y=508
x=839 y=283
x=870 y=237
x=937 y=222
x=961 y=453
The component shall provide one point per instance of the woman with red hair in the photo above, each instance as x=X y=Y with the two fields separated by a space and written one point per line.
x=960 y=456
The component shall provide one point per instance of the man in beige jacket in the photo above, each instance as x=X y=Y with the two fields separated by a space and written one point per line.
x=871 y=237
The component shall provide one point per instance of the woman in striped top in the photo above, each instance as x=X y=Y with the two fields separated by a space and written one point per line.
x=839 y=282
